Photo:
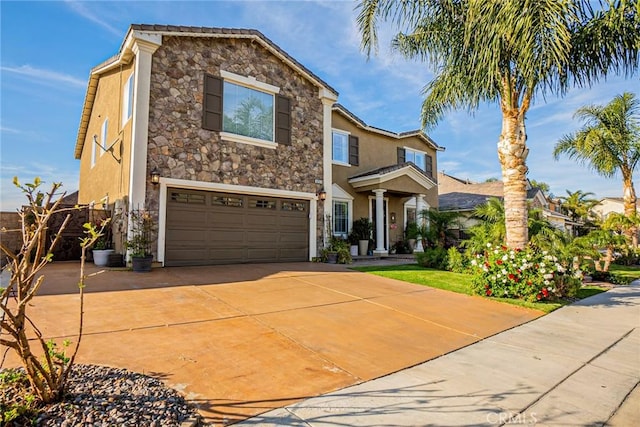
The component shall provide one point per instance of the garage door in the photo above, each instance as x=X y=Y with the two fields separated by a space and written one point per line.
x=220 y=228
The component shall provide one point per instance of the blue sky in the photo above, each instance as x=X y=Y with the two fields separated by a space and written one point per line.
x=49 y=47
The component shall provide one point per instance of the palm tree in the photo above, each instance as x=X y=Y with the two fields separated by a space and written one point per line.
x=578 y=205
x=440 y=224
x=507 y=52
x=609 y=142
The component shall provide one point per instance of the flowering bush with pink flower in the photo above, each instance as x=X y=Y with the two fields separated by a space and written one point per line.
x=520 y=273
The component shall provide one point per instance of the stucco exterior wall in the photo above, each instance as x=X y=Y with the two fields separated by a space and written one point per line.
x=376 y=151
x=110 y=174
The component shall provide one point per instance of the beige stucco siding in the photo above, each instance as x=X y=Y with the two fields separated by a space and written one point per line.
x=376 y=151
x=109 y=176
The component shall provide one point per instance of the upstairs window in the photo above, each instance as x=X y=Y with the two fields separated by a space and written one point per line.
x=419 y=158
x=345 y=148
x=127 y=100
x=340 y=147
x=246 y=110
x=103 y=137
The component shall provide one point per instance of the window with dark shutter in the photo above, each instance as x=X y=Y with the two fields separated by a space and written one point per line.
x=401 y=156
x=283 y=120
x=354 y=153
x=429 y=165
x=212 y=103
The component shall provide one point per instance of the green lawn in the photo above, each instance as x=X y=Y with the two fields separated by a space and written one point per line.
x=460 y=283
x=632 y=272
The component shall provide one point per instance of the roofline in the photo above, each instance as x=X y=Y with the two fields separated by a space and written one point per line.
x=146 y=32
x=378 y=178
x=358 y=122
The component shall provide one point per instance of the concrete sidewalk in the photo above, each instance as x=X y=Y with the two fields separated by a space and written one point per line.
x=573 y=367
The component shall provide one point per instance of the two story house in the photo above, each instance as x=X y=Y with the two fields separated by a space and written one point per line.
x=239 y=152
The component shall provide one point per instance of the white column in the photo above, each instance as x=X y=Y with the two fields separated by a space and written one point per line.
x=143 y=50
x=328 y=99
x=140 y=123
x=420 y=206
x=380 y=249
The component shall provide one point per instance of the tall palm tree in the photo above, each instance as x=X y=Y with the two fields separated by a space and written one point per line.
x=578 y=204
x=609 y=142
x=507 y=52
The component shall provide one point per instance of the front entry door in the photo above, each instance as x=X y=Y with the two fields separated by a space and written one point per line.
x=385 y=236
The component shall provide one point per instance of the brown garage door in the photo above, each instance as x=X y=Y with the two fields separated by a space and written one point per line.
x=219 y=228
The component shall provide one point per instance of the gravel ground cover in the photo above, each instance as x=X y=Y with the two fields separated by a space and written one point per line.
x=103 y=396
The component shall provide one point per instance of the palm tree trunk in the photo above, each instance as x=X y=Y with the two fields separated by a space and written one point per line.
x=512 y=152
x=630 y=200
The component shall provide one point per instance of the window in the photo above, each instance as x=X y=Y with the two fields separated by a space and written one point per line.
x=418 y=158
x=340 y=219
x=340 y=147
x=103 y=137
x=127 y=100
x=247 y=112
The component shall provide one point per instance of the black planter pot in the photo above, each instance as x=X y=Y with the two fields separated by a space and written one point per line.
x=115 y=260
x=332 y=257
x=142 y=264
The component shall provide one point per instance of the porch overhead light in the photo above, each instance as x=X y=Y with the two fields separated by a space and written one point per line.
x=155 y=176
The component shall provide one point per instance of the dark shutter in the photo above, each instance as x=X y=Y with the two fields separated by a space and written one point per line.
x=401 y=156
x=354 y=154
x=429 y=165
x=283 y=120
x=212 y=103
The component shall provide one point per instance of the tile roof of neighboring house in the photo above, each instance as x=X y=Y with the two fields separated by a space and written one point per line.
x=388 y=169
x=124 y=55
x=462 y=201
x=358 y=122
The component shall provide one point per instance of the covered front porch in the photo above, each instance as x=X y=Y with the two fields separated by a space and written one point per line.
x=391 y=197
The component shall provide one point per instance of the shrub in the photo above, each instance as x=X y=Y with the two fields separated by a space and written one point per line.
x=433 y=258
x=515 y=273
x=456 y=261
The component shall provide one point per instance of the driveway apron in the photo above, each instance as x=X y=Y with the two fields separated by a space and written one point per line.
x=240 y=340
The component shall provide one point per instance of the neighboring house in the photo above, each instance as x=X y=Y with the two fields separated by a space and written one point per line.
x=375 y=170
x=455 y=194
x=242 y=138
x=607 y=206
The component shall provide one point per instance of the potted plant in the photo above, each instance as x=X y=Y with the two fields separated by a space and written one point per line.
x=362 y=229
x=337 y=252
x=353 y=244
x=411 y=233
x=142 y=234
x=101 y=252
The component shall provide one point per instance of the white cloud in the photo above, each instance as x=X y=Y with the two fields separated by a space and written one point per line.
x=41 y=75
x=82 y=10
x=9 y=130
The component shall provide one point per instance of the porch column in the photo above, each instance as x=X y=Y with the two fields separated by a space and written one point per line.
x=420 y=206
x=380 y=249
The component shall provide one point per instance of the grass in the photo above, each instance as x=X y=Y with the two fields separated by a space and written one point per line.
x=628 y=271
x=461 y=283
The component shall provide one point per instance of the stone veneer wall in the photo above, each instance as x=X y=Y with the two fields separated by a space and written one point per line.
x=180 y=148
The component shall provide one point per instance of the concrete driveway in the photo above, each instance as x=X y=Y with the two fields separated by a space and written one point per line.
x=241 y=340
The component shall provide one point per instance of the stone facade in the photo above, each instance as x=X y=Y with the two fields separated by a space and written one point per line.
x=180 y=148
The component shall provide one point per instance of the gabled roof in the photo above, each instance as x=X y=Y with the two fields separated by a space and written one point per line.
x=155 y=32
x=387 y=173
x=362 y=125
